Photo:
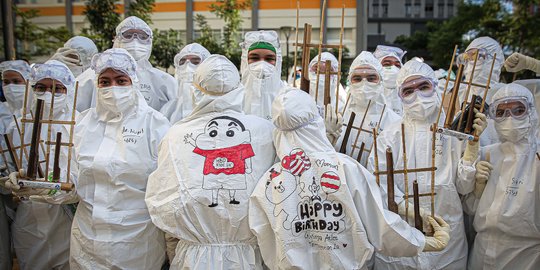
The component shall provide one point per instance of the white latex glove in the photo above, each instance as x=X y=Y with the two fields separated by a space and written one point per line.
x=58 y=198
x=13 y=184
x=3 y=181
x=517 y=62
x=471 y=152
x=170 y=243
x=333 y=123
x=62 y=56
x=483 y=170
x=410 y=216
x=479 y=123
x=440 y=238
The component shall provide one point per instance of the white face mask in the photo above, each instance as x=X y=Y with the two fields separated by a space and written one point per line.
x=421 y=108
x=116 y=99
x=390 y=76
x=185 y=72
x=14 y=94
x=138 y=50
x=59 y=103
x=261 y=69
x=513 y=130
x=365 y=91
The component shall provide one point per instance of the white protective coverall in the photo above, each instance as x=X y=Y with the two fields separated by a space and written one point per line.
x=507 y=214
x=41 y=231
x=116 y=149
x=318 y=209
x=418 y=117
x=262 y=81
x=182 y=105
x=209 y=163
x=156 y=86
x=359 y=96
x=333 y=82
x=14 y=94
x=390 y=95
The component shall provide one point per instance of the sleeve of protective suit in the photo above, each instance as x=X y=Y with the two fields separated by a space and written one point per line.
x=386 y=231
x=85 y=94
x=258 y=222
x=169 y=86
x=162 y=191
x=466 y=169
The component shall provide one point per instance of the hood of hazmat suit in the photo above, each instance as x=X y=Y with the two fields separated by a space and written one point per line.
x=40 y=230
x=14 y=93
x=182 y=105
x=156 y=86
x=507 y=215
x=318 y=209
x=377 y=116
x=261 y=79
x=116 y=146
x=487 y=48
x=316 y=87
x=76 y=54
x=209 y=164
x=419 y=116
x=390 y=75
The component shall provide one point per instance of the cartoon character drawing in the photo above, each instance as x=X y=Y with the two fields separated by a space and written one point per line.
x=314 y=189
x=225 y=144
x=279 y=187
x=297 y=162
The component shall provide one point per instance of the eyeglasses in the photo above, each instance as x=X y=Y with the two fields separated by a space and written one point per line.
x=41 y=89
x=368 y=74
x=409 y=90
x=191 y=58
x=470 y=55
x=516 y=107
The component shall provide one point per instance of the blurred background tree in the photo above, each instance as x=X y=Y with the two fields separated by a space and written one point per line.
x=103 y=19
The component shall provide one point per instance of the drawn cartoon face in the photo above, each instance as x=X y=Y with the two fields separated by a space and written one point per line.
x=223 y=132
x=280 y=186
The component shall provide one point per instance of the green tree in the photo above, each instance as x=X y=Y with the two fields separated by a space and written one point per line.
x=229 y=11
x=206 y=38
x=142 y=9
x=165 y=45
x=35 y=40
x=103 y=20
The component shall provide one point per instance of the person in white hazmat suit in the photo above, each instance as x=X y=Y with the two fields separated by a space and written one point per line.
x=365 y=85
x=14 y=75
x=391 y=60
x=41 y=229
x=116 y=145
x=334 y=84
x=157 y=87
x=504 y=196
x=417 y=86
x=261 y=71
x=77 y=54
x=318 y=209
x=209 y=163
x=185 y=63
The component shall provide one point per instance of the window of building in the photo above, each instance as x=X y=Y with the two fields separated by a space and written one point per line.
x=428 y=8
x=416 y=10
x=375 y=9
x=384 y=7
x=408 y=9
x=441 y=9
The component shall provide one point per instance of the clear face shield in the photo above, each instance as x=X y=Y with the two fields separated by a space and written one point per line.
x=470 y=55
x=516 y=107
x=413 y=87
x=129 y=35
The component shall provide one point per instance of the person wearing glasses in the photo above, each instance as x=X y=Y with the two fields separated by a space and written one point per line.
x=365 y=88
x=417 y=90
x=504 y=193
x=156 y=86
x=42 y=227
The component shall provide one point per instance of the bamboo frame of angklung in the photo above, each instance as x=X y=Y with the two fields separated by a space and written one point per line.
x=306 y=45
x=43 y=183
x=405 y=171
x=454 y=96
x=350 y=126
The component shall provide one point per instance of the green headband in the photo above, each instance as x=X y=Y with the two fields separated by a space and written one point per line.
x=262 y=45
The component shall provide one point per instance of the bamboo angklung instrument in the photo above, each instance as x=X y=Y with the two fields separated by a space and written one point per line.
x=56 y=164
x=296 y=47
x=392 y=205
x=405 y=172
x=12 y=153
x=343 y=147
x=417 y=217
x=376 y=156
x=33 y=158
